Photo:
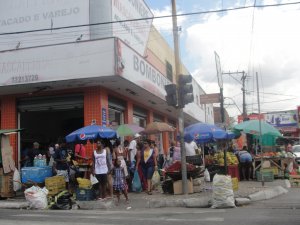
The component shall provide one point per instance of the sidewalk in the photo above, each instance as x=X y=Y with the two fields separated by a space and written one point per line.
x=248 y=191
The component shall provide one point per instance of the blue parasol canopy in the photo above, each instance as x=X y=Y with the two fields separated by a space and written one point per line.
x=91 y=132
x=204 y=133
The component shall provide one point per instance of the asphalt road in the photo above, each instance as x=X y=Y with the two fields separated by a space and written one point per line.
x=284 y=210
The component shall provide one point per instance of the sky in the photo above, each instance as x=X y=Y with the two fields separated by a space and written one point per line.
x=263 y=42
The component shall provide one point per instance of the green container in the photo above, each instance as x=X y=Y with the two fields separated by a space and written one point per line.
x=268 y=176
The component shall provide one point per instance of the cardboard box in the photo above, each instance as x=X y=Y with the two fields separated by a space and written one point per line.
x=177 y=187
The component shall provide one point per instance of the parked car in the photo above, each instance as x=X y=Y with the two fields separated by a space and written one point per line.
x=296 y=152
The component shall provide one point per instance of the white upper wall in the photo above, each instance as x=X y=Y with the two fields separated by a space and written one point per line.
x=113 y=16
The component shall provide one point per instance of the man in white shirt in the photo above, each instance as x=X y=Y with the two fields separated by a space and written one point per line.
x=191 y=148
x=132 y=147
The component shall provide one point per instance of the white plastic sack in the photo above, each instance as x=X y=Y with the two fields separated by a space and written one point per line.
x=206 y=176
x=223 y=196
x=155 y=179
x=93 y=179
x=37 y=197
x=17 y=180
x=51 y=161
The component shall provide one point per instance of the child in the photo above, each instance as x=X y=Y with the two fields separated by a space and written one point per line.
x=119 y=184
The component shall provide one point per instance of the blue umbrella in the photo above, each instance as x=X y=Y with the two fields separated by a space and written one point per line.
x=203 y=132
x=91 y=132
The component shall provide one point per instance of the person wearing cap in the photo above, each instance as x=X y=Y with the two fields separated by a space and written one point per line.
x=61 y=163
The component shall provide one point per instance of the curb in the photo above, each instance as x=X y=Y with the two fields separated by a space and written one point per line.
x=14 y=205
x=268 y=194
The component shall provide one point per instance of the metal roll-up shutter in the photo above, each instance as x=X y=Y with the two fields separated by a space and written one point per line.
x=137 y=111
x=46 y=103
x=116 y=103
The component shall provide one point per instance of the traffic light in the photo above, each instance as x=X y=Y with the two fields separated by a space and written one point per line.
x=185 y=90
x=171 y=96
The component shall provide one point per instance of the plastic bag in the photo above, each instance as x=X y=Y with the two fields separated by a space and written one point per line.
x=136 y=182
x=37 y=197
x=155 y=179
x=51 y=161
x=223 y=196
x=206 y=176
x=17 y=180
x=93 y=179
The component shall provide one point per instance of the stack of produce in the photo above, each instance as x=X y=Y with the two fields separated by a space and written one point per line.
x=230 y=157
x=176 y=167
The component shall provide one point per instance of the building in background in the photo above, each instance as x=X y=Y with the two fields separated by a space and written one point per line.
x=54 y=81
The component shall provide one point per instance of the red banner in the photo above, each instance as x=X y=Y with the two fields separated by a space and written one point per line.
x=252 y=117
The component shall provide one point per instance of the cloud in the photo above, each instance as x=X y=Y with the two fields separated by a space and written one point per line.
x=266 y=42
x=165 y=25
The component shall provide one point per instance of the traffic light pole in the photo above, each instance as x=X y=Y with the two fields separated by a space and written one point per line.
x=179 y=110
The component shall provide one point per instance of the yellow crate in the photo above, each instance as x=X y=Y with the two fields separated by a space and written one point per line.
x=235 y=183
x=55 y=184
x=84 y=183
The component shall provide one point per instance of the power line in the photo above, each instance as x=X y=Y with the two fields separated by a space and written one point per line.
x=151 y=18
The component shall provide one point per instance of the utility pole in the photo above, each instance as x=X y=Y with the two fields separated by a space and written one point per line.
x=243 y=79
x=179 y=110
x=260 y=133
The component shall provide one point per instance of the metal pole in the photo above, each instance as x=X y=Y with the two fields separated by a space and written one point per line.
x=244 y=96
x=260 y=134
x=180 y=110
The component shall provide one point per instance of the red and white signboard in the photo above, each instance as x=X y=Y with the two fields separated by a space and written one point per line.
x=251 y=117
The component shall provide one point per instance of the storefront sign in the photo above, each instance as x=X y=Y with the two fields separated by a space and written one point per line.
x=16 y=15
x=251 y=117
x=58 y=62
x=282 y=119
x=126 y=27
x=104 y=116
x=137 y=70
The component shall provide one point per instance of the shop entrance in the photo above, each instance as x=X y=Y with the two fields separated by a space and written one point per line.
x=47 y=120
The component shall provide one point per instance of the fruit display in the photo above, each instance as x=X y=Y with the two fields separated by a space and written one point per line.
x=230 y=157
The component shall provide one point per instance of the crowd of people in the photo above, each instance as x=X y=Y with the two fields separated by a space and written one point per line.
x=112 y=163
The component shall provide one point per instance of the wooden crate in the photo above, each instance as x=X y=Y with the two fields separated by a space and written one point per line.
x=6 y=184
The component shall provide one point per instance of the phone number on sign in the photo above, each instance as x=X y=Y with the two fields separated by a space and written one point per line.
x=25 y=78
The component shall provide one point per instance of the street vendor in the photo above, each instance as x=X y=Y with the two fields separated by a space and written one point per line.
x=191 y=148
x=245 y=162
x=32 y=153
x=61 y=163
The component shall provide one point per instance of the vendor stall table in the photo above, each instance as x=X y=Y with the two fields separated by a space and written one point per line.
x=275 y=164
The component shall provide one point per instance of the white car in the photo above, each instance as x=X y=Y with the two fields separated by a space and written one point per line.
x=296 y=152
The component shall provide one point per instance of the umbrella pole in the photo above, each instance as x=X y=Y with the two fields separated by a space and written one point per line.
x=203 y=155
x=225 y=158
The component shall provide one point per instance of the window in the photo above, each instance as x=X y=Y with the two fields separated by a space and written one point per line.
x=169 y=71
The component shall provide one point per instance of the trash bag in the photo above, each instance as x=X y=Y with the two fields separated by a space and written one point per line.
x=223 y=196
x=136 y=182
x=61 y=201
x=37 y=197
x=17 y=180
